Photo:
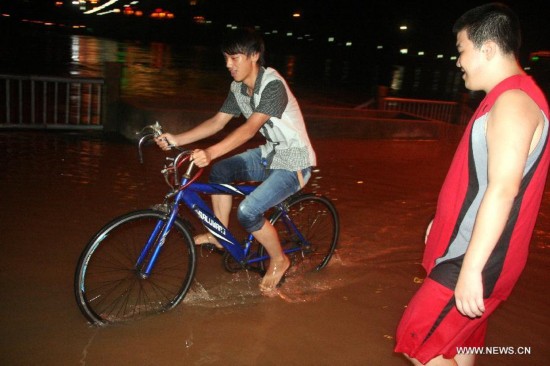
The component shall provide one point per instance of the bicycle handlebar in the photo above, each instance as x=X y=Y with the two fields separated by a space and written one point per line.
x=180 y=158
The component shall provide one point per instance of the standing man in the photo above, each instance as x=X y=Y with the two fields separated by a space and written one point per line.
x=283 y=164
x=477 y=244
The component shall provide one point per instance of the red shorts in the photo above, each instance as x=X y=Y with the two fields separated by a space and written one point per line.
x=432 y=325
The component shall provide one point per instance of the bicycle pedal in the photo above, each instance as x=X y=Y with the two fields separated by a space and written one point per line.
x=212 y=248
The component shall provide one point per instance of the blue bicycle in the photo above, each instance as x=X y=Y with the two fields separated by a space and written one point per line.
x=144 y=262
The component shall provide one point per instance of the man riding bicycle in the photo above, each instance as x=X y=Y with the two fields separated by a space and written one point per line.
x=283 y=164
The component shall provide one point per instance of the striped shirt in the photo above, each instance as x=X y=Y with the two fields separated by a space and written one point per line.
x=287 y=142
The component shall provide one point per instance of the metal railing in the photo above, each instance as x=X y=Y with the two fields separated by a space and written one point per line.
x=50 y=102
x=430 y=109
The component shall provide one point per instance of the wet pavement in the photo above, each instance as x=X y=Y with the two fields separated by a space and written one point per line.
x=58 y=189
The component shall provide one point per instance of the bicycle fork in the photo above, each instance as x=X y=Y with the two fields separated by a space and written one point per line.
x=152 y=248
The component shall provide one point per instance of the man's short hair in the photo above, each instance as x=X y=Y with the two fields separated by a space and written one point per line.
x=244 y=40
x=492 y=22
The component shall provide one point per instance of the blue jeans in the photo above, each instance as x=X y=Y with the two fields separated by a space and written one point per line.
x=276 y=186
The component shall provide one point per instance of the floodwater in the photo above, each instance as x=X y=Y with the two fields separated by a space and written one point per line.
x=58 y=188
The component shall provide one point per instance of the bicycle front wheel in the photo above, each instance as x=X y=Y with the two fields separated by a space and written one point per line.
x=109 y=286
x=311 y=235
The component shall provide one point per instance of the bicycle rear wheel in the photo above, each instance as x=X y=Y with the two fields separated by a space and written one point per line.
x=313 y=240
x=109 y=287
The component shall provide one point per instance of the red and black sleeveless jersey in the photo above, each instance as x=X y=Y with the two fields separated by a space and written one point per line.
x=461 y=195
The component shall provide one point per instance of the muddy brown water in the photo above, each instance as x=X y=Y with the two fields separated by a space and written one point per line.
x=58 y=188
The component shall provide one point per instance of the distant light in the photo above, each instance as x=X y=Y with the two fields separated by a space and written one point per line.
x=440 y=56
x=379 y=47
x=330 y=39
x=296 y=15
x=289 y=34
x=403 y=27
x=199 y=19
x=109 y=12
x=348 y=44
x=404 y=51
x=453 y=58
x=274 y=31
x=96 y=9
x=535 y=58
x=420 y=53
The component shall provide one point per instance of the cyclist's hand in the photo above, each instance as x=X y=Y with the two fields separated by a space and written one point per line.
x=165 y=141
x=201 y=158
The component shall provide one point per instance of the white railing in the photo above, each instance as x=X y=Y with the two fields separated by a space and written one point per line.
x=429 y=109
x=50 y=102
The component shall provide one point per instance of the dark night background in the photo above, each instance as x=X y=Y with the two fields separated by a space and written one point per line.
x=365 y=23
x=359 y=29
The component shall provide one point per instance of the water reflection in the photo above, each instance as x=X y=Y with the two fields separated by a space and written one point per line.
x=171 y=70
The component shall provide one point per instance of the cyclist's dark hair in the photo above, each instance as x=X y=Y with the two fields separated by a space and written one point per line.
x=492 y=22
x=244 y=40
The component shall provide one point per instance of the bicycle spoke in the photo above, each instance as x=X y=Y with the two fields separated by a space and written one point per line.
x=110 y=289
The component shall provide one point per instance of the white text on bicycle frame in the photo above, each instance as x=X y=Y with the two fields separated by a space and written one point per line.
x=210 y=222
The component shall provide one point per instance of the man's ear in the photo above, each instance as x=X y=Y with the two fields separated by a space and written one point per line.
x=255 y=57
x=489 y=49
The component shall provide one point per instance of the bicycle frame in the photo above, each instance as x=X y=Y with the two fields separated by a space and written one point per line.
x=190 y=196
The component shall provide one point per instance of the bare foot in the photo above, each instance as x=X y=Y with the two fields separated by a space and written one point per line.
x=206 y=239
x=273 y=275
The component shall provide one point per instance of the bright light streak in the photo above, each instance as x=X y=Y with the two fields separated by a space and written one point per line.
x=109 y=12
x=95 y=10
